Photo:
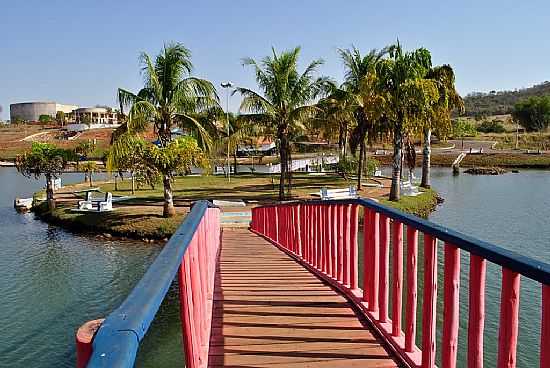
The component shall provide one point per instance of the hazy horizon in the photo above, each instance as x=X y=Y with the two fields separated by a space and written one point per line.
x=79 y=55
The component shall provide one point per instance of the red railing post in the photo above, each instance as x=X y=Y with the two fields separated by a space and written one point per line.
x=334 y=239
x=476 y=316
x=315 y=220
x=354 y=251
x=329 y=239
x=429 y=304
x=509 y=314
x=84 y=339
x=375 y=262
x=384 y=267
x=451 y=274
x=340 y=237
x=322 y=255
x=367 y=270
x=347 y=240
x=397 y=287
x=412 y=259
x=545 y=328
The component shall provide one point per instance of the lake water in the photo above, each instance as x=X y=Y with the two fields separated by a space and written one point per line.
x=51 y=280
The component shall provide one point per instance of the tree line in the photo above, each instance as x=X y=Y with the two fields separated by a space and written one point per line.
x=389 y=94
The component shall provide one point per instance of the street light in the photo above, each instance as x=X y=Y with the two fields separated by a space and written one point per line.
x=227 y=86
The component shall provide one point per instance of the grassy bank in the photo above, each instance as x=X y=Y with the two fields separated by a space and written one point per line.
x=141 y=217
x=510 y=160
x=421 y=205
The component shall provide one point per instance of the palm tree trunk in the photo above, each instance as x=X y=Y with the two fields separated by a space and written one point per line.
x=289 y=172
x=49 y=192
x=169 y=210
x=283 y=163
x=341 y=141
x=235 y=162
x=91 y=180
x=395 y=191
x=133 y=183
x=426 y=167
x=360 y=163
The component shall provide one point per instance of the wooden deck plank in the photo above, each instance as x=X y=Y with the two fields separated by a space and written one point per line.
x=270 y=311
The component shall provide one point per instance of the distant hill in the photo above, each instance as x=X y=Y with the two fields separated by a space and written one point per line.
x=500 y=102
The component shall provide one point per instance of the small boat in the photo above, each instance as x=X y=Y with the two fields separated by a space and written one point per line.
x=22 y=204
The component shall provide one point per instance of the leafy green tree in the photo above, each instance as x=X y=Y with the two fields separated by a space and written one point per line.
x=438 y=116
x=46 y=160
x=178 y=156
x=285 y=103
x=127 y=153
x=60 y=117
x=89 y=167
x=44 y=118
x=407 y=95
x=533 y=113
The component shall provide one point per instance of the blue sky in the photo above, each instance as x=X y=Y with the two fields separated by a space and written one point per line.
x=81 y=51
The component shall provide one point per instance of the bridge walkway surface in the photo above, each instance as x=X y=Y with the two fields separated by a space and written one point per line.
x=270 y=311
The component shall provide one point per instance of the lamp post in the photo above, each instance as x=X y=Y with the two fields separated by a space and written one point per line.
x=227 y=86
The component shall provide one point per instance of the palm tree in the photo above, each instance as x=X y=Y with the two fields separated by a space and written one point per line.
x=439 y=117
x=360 y=91
x=408 y=94
x=170 y=97
x=285 y=103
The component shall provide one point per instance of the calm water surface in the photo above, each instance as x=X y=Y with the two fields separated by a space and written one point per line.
x=51 y=281
x=512 y=211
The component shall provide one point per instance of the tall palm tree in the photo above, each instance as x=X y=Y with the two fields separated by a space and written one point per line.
x=361 y=93
x=285 y=102
x=408 y=94
x=439 y=117
x=170 y=97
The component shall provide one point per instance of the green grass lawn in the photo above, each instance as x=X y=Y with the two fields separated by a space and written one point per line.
x=247 y=187
x=142 y=218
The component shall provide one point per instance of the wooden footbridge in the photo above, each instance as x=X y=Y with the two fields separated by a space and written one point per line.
x=309 y=285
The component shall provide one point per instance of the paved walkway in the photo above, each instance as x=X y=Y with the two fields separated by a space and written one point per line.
x=269 y=311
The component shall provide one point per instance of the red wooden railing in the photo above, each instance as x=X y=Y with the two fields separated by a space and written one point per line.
x=191 y=253
x=323 y=236
x=196 y=278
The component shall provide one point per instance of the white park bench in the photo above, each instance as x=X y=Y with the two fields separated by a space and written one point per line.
x=408 y=189
x=87 y=205
x=344 y=193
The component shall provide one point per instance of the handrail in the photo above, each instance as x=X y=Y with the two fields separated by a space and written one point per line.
x=323 y=235
x=526 y=266
x=117 y=340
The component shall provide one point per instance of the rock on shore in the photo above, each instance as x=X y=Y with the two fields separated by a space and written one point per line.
x=485 y=171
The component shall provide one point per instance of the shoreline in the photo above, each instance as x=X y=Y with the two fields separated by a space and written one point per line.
x=138 y=220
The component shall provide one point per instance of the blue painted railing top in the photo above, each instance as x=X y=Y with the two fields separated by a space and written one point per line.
x=117 y=340
x=536 y=270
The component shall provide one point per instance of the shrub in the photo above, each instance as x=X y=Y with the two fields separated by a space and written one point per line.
x=463 y=128
x=491 y=127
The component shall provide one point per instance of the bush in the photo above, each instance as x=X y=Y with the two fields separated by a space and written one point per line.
x=491 y=127
x=347 y=166
x=463 y=128
x=45 y=119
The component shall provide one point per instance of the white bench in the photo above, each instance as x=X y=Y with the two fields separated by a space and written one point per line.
x=344 y=193
x=408 y=189
x=107 y=204
x=86 y=204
